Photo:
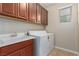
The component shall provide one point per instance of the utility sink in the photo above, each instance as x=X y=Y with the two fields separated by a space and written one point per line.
x=11 y=40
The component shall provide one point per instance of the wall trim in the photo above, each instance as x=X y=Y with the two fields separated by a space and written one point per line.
x=64 y=49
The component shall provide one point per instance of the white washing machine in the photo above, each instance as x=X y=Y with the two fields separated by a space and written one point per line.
x=42 y=42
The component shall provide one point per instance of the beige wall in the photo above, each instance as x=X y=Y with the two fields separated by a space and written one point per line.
x=78 y=27
x=65 y=33
x=9 y=26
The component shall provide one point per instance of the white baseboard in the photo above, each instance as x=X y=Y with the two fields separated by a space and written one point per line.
x=75 y=52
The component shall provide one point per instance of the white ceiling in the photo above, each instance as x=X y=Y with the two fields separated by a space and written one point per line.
x=46 y=4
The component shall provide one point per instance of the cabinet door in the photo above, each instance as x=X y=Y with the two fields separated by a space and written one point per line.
x=15 y=9
x=29 y=50
x=44 y=18
x=26 y=51
x=0 y=7
x=38 y=14
x=16 y=53
x=32 y=12
x=23 y=10
x=9 y=9
x=6 y=50
x=20 y=52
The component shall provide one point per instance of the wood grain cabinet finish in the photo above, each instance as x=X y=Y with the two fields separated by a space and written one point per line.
x=28 y=12
x=23 y=10
x=32 y=12
x=44 y=17
x=26 y=51
x=0 y=7
x=9 y=9
x=24 y=48
x=38 y=14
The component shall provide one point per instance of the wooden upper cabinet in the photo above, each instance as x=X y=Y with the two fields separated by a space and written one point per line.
x=44 y=17
x=23 y=10
x=15 y=9
x=38 y=14
x=32 y=12
x=0 y=7
x=9 y=9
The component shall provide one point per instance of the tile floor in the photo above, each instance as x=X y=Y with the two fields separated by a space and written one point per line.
x=58 y=52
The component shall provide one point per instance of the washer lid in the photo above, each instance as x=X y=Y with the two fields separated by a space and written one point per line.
x=38 y=33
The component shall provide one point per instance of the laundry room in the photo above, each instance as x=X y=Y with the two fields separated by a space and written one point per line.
x=39 y=29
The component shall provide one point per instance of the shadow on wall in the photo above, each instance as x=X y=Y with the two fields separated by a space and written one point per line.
x=9 y=26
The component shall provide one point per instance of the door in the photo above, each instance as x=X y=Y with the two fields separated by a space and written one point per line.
x=0 y=7
x=15 y=9
x=10 y=9
x=38 y=14
x=44 y=18
x=7 y=8
x=23 y=10
x=26 y=51
x=32 y=12
x=16 y=53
